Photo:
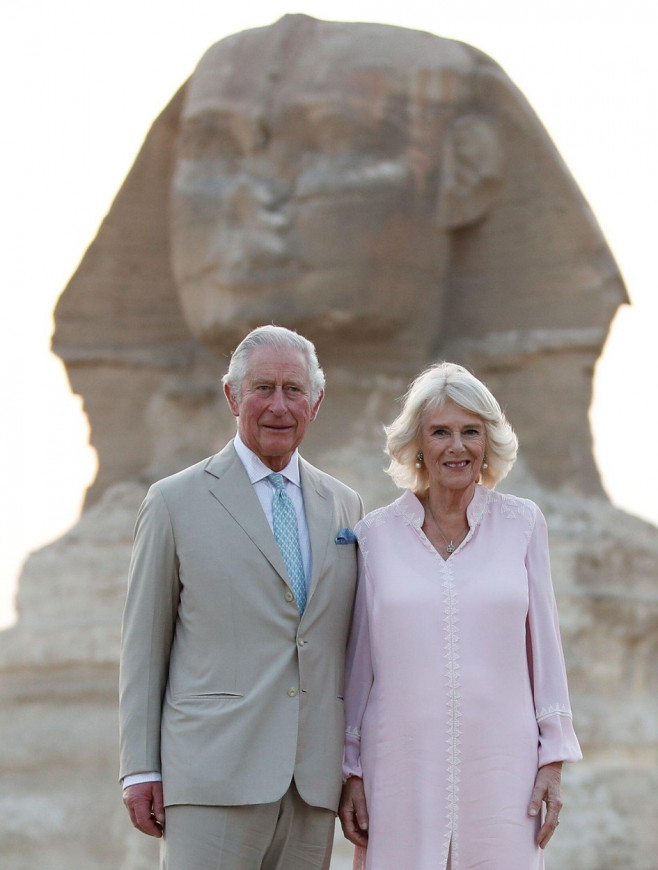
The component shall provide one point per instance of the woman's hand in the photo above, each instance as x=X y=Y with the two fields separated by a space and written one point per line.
x=353 y=813
x=547 y=789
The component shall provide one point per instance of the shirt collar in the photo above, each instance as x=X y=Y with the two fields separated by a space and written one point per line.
x=256 y=468
x=412 y=507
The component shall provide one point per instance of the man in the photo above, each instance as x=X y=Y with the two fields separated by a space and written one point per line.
x=232 y=656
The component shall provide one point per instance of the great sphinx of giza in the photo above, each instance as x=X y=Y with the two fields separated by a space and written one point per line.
x=393 y=196
x=389 y=193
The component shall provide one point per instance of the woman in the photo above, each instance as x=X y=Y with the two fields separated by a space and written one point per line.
x=456 y=699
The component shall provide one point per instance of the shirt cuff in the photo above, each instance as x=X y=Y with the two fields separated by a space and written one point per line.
x=136 y=778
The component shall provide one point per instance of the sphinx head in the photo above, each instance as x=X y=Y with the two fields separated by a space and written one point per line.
x=320 y=170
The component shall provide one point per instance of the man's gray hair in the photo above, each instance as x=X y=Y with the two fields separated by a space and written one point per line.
x=278 y=337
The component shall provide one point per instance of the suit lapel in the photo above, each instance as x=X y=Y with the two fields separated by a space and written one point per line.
x=319 y=509
x=230 y=485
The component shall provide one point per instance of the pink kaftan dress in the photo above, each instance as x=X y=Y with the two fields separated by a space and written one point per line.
x=456 y=689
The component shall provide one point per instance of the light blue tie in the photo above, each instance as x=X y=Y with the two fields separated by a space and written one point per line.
x=284 y=522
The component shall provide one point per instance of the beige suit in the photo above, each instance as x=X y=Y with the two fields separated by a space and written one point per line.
x=223 y=689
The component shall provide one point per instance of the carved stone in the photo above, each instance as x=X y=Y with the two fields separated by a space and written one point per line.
x=391 y=195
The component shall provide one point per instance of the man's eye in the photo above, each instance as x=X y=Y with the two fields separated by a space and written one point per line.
x=264 y=388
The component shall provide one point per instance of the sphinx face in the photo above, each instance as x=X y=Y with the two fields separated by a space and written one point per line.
x=304 y=188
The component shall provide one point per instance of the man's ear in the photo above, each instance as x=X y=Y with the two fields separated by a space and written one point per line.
x=471 y=172
x=316 y=407
x=233 y=405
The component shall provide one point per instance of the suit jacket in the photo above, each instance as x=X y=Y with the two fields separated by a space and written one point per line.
x=222 y=688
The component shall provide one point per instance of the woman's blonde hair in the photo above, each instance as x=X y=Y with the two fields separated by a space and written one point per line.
x=428 y=392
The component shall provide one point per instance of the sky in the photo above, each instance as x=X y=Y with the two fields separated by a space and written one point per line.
x=82 y=82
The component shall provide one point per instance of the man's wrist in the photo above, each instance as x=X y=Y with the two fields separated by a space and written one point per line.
x=137 y=778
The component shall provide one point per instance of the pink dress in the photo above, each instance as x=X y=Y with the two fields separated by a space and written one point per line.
x=456 y=689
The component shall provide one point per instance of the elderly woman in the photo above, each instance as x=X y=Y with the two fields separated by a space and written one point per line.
x=456 y=699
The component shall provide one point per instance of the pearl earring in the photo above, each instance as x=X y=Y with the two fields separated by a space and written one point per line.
x=485 y=464
x=419 y=459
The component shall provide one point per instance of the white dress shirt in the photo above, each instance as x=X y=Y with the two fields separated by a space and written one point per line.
x=258 y=472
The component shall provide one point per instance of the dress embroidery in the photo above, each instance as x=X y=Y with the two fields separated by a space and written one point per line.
x=454 y=713
x=374 y=519
x=553 y=710
x=514 y=508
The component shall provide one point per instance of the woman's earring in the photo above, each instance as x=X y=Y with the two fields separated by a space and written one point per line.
x=419 y=459
x=485 y=464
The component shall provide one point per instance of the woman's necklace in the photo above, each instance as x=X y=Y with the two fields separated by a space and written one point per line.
x=451 y=546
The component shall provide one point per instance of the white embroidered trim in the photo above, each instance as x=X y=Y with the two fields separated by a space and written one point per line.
x=375 y=518
x=554 y=710
x=353 y=732
x=454 y=713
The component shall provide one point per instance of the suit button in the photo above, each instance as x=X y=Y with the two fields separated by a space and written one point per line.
x=301 y=642
x=292 y=692
x=289 y=595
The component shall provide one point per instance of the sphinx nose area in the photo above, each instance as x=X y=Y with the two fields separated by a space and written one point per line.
x=255 y=223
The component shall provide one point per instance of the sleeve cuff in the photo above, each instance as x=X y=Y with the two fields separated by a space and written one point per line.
x=136 y=778
x=352 y=756
x=557 y=739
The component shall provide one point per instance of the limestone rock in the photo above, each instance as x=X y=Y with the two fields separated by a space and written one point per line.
x=390 y=194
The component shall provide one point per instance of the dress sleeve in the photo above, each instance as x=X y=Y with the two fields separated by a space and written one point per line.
x=557 y=739
x=358 y=676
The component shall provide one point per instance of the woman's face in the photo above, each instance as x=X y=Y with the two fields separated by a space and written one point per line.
x=453 y=442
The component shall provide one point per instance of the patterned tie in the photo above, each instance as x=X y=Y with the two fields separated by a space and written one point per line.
x=284 y=521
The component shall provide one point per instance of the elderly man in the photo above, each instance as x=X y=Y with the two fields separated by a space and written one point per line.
x=241 y=589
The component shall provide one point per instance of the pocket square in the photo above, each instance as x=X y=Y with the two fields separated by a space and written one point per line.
x=346 y=536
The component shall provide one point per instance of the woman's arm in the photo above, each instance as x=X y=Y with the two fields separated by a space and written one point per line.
x=557 y=739
x=358 y=685
x=358 y=675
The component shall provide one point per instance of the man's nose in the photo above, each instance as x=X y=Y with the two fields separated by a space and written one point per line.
x=278 y=401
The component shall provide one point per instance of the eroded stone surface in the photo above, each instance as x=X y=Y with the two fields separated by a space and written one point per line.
x=387 y=192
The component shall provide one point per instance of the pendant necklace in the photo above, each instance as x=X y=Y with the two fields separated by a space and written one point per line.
x=451 y=546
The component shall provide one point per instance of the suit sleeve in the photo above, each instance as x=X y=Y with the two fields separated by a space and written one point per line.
x=147 y=635
x=557 y=739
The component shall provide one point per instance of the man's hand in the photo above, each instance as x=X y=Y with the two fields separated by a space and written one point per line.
x=146 y=807
x=353 y=813
x=547 y=788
